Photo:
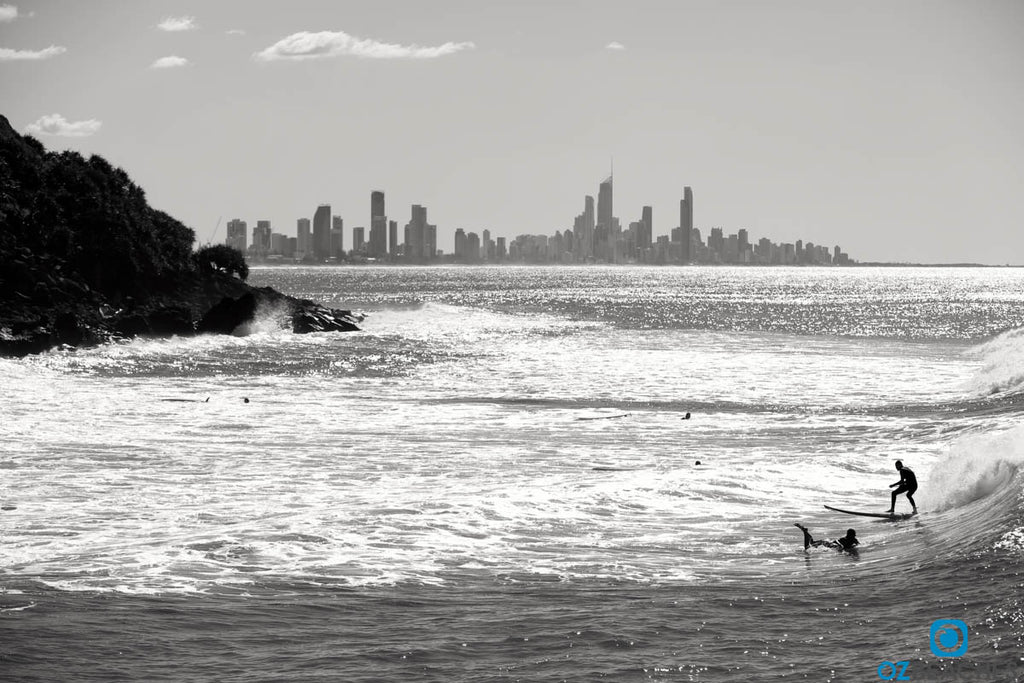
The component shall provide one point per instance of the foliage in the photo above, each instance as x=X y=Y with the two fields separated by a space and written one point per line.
x=90 y=219
x=223 y=258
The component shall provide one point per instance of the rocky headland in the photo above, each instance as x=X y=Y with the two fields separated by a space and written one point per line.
x=85 y=260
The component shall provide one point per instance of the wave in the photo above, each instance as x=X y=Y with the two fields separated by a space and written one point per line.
x=978 y=466
x=1002 y=371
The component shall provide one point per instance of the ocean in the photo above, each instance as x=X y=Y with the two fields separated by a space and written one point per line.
x=495 y=481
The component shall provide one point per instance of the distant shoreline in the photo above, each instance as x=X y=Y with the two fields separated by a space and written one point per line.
x=872 y=264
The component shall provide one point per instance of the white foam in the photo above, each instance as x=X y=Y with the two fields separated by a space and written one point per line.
x=976 y=466
x=1002 y=367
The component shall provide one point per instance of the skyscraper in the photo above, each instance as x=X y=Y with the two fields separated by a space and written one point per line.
x=686 y=223
x=337 y=237
x=393 y=239
x=261 y=238
x=604 y=204
x=303 y=243
x=236 y=234
x=645 y=238
x=322 y=233
x=378 y=225
x=416 y=235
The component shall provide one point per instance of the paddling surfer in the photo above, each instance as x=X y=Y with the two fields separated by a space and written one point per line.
x=847 y=543
x=907 y=484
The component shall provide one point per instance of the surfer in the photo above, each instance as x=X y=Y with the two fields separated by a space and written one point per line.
x=907 y=484
x=847 y=543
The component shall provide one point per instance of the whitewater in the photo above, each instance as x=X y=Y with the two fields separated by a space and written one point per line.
x=495 y=480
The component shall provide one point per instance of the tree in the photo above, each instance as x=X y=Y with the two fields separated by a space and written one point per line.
x=221 y=257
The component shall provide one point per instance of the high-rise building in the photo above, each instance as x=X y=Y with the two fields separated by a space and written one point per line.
x=358 y=240
x=604 y=204
x=460 y=243
x=418 y=245
x=644 y=239
x=261 y=238
x=378 y=226
x=237 y=236
x=686 y=223
x=338 y=237
x=322 y=233
x=393 y=239
x=303 y=241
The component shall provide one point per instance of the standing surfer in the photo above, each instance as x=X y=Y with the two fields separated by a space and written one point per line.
x=907 y=484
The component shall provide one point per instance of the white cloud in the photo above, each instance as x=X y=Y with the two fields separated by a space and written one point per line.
x=55 y=124
x=169 y=62
x=177 y=24
x=306 y=45
x=236 y=32
x=8 y=12
x=614 y=45
x=8 y=55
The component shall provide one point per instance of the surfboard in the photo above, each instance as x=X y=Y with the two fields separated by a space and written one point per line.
x=883 y=515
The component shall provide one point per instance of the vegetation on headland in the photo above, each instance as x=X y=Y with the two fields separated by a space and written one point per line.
x=84 y=259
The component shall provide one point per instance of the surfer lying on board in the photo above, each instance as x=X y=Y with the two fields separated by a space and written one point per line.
x=907 y=484
x=846 y=543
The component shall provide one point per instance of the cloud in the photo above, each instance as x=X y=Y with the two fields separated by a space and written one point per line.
x=177 y=24
x=55 y=124
x=306 y=45
x=8 y=12
x=8 y=55
x=236 y=32
x=614 y=45
x=169 y=62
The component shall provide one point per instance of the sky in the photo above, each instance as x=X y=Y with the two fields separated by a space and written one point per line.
x=892 y=129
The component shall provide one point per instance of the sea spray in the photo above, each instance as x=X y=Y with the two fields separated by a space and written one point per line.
x=268 y=318
x=1003 y=364
x=976 y=466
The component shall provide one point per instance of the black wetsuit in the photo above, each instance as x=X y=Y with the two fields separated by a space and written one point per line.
x=908 y=482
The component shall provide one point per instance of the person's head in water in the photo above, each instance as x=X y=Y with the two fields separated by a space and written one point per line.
x=245 y=399
x=686 y=417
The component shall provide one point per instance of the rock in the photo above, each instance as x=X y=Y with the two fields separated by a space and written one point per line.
x=317 y=318
x=171 y=320
x=226 y=316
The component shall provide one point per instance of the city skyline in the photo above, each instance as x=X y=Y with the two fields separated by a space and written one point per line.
x=593 y=238
x=890 y=128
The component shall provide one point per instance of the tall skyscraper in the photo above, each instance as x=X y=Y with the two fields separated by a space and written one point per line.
x=261 y=238
x=686 y=223
x=303 y=241
x=645 y=238
x=393 y=239
x=604 y=204
x=416 y=235
x=378 y=225
x=337 y=237
x=322 y=233
x=237 y=237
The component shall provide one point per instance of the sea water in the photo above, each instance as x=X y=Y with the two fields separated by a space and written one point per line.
x=495 y=480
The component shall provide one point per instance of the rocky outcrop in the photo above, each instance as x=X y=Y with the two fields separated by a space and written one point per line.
x=62 y=314
x=85 y=260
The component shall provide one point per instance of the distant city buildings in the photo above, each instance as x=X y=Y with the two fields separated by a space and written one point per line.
x=596 y=236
